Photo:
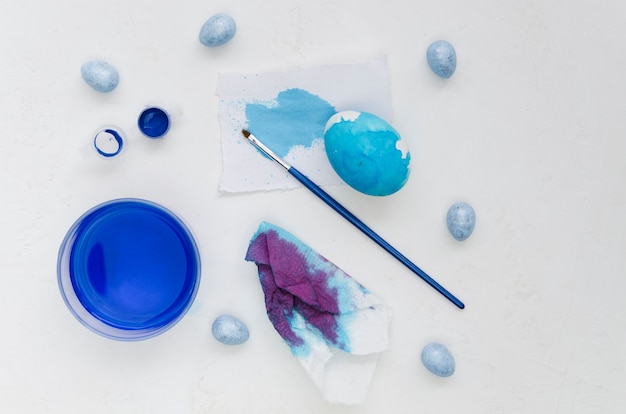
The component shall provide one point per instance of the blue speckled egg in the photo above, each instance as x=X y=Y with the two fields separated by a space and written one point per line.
x=230 y=330
x=438 y=360
x=367 y=153
x=218 y=30
x=100 y=75
x=441 y=58
x=461 y=220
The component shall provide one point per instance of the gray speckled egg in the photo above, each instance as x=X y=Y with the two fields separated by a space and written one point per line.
x=438 y=360
x=100 y=75
x=230 y=330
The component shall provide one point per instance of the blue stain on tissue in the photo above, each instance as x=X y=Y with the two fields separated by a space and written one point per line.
x=295 y=118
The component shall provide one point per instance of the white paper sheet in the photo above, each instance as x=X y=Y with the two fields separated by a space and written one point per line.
x=285 y=105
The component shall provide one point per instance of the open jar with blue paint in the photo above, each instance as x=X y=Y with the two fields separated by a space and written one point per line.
x=153 y=122
x=128 y=269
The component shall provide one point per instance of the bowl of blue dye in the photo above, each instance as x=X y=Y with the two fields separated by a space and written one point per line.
x=128 y=269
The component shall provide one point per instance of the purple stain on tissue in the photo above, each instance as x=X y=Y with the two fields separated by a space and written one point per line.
x=292 y=282
x=307 y=294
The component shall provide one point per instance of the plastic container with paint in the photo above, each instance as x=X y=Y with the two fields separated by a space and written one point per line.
x=153 y=122
x=128 y=269
x=109 y=141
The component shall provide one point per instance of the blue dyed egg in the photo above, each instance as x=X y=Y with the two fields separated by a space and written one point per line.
x=438 y=360
x=229 y=330
x=218 y=30
x=441 y=58
x=100 y=75
x=367 y=153
x=461 y=220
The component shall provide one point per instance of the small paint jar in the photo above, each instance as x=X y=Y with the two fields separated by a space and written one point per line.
x=153 y=122
x=128 y=269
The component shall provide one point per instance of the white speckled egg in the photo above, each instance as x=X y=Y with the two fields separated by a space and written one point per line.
x=367 y=153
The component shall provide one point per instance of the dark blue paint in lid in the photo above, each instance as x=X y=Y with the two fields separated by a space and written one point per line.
x=153 y=122
x=108 y=142
x=129 y=269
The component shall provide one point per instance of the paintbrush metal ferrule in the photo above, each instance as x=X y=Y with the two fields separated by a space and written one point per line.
x=264 y=149
x=342 y=211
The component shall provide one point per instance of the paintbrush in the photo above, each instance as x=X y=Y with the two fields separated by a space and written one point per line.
x=325 y=197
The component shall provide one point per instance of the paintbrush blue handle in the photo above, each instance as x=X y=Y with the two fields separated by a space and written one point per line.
x=324 y=196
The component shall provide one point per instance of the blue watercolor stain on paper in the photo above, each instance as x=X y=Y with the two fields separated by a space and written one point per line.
x=295 y=118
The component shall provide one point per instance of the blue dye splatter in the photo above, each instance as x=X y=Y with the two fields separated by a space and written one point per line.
x=295 y=118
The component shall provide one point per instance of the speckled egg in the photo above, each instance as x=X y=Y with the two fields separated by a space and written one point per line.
x=100 y=75
x=461 y=220
x=438 y=360
x=367 y=153
x=218 y=30
x=230 y=330
x=441 y=58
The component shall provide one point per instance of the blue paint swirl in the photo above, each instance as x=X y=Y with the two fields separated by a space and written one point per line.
x=295 y=118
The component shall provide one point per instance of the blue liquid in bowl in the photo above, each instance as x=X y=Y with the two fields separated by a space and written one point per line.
x=129 y=269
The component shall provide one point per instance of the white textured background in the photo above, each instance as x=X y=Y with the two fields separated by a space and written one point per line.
x=529 y=131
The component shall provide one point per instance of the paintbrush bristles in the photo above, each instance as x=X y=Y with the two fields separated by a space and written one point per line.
x=261 y=147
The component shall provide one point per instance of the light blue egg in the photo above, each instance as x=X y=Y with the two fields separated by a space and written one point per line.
x=218 y=30
x=438 y=360
x=230 y=330
x=461 y=220
x=441 y=58
x=367 y=153
x=100 y=75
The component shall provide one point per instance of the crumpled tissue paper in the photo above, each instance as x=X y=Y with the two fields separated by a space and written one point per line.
x=334 y=326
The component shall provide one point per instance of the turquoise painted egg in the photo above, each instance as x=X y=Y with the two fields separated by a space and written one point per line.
x=367 y=153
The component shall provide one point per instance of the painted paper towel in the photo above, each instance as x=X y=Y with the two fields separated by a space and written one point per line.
x=334 y=326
